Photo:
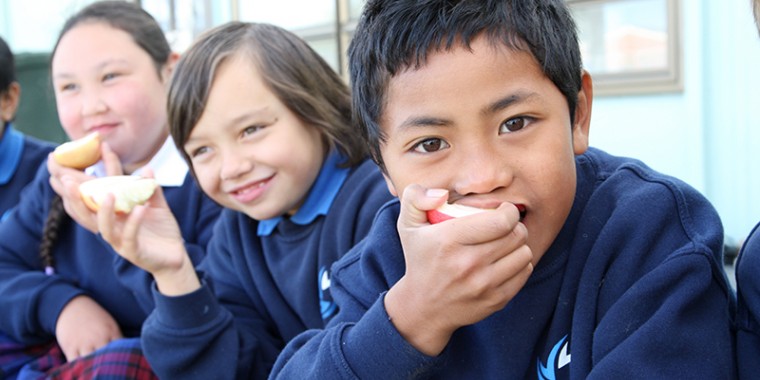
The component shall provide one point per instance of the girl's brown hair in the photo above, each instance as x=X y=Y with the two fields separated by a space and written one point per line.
x=293 y=71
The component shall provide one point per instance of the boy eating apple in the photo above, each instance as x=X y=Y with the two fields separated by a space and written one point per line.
x=584 y=265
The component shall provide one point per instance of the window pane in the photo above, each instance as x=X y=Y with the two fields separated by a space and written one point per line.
x=27 y=29
x=328 y=49
x=355 y=8
x=623 y=36
x=289 y=14
x=190 y=18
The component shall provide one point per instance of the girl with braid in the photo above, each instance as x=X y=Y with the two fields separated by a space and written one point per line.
x=69 y=304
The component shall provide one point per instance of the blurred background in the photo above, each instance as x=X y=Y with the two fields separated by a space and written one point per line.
x=676 y=81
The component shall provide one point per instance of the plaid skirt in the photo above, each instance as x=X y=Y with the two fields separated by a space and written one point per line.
x=120 y=359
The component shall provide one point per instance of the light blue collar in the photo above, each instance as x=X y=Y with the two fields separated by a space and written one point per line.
x=320 y=197
x=11 y=148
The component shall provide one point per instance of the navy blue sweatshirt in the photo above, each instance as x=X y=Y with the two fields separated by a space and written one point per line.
x=20 y=156
x=85 y=264
x=632 y=287
x=748 y=308
x=264 y=283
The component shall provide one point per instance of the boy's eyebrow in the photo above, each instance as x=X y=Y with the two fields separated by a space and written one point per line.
x=423 y=121
x=498 y=105
x=508 y=101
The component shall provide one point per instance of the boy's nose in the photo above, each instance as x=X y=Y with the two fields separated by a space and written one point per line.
x=482 y=171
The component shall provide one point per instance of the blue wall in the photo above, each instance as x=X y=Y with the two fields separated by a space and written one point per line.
x=709 y=133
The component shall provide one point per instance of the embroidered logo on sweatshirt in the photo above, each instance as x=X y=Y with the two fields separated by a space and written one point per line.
x=558 y=358
x=326 y=305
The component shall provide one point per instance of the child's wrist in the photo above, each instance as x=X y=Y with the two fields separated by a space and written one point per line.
x=417 y=329
x=177 y=281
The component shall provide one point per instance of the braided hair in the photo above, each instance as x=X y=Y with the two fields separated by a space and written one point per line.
x=55 y=218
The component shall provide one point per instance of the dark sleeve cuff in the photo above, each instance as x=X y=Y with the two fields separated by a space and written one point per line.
x=188 y=310
x=374 y=346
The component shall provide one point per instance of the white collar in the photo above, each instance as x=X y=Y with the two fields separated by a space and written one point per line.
x=169 y=168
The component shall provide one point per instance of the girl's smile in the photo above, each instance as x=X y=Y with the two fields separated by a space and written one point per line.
x=252 y=191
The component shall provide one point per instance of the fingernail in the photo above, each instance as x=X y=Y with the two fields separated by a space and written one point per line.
x=435 y=193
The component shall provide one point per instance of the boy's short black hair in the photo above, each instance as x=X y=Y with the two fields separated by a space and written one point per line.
x=7 y=66
x=393 y=35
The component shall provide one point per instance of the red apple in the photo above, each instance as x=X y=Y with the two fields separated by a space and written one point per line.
x=450 y=211
x=128 y=191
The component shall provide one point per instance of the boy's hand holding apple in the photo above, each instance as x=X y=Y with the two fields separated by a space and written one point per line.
x=458 y=272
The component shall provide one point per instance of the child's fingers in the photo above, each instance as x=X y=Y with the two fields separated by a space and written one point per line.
x=148 y=173
x=499 y=226
x=415 y=201
x=158 y=199
x=74 y=206
x=513 y=263
x=130 y=234
x=111 y=161
x=519 y=274
x=106 y=220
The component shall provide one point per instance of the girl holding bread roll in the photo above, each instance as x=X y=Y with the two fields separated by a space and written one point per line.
x=265 y=125
x=69 y=304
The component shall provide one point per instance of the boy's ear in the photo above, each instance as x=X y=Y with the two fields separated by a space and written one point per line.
x=389 y=183
x=582 y=121
x=9 y=100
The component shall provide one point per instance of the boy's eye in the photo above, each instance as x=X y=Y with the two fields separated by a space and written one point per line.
x=431 y=145
x=514 y=124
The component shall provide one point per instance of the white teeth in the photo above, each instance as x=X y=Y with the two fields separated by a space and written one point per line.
x=250 y=188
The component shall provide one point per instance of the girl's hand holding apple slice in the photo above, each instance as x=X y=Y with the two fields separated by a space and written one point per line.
x=149 y=237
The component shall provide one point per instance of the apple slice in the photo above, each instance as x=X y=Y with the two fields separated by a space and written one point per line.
x=80 y=153
x=450 y=211
x=129 y=191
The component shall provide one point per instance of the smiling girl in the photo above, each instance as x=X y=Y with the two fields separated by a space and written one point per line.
x=265 y=125
x=63 y=289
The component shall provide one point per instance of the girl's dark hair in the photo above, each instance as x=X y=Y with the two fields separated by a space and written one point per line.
x=7 y=66
x=293 y=71
x=147 y=34
x=128 y=17
x=7 y=74
x=393 y=35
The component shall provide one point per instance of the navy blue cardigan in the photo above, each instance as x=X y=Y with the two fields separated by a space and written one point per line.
x=260 y=291
x=632 y=287
x=31 y=301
